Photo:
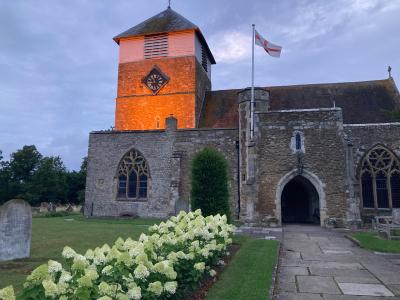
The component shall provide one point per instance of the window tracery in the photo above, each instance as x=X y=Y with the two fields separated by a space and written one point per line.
x=380 y=179
x=133 y=174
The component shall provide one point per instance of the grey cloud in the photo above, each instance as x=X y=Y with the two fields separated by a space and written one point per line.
x=58 y=63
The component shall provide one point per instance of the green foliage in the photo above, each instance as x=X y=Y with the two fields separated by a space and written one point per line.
x=173 y=257
x=35 y=178
x=56 y=214
x=210 y=183
x=371 y=241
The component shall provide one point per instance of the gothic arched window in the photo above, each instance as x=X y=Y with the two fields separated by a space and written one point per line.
x=133 y=174
x=380 y=179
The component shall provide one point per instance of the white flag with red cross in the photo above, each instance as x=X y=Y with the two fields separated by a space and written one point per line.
x=272 y=49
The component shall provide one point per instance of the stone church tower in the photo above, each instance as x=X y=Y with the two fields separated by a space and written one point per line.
x=164 y=69
x=321 y=153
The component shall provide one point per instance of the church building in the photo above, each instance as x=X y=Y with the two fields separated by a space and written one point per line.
x=321 y=153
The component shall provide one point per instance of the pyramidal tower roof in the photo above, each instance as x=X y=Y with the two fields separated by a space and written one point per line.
x=166 y=21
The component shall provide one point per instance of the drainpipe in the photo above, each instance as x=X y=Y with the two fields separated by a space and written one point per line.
x=238 y=176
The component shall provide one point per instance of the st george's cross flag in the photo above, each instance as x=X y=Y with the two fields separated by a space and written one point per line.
x=272 y=49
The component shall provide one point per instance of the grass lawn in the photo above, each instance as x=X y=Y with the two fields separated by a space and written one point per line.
x=249 y=274
x=50 y=235
x=371 y=241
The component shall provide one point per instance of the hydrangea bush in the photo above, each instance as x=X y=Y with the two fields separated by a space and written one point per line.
x=174 y=256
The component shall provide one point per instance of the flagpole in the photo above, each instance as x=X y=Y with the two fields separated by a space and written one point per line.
x=252 y=87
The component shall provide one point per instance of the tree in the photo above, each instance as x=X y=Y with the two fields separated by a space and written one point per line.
x=76 y=182
x=24 y=163
x=4 y=180
x=48 y=183
x=210 y=183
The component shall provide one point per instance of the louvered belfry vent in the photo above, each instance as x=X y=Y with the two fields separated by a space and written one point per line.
x=156 y=46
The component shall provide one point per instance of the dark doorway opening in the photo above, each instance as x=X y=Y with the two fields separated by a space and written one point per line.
x=300 y=202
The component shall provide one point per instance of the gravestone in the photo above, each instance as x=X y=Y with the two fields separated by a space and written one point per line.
x=15 y=230
x=396 y=215
x=51 y=207
x=43 y=207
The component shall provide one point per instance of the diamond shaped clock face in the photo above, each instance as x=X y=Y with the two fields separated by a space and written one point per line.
x=155 y=80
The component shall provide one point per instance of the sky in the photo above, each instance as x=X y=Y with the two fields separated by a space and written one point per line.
x=58 y=62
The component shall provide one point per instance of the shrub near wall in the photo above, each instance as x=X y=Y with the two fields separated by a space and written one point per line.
x=210 y=183
x=171 y=259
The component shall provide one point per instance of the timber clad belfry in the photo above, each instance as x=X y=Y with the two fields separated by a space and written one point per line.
x=321 y=153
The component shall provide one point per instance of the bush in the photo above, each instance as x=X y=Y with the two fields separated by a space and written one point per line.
x=173 y=258
x=210 y=183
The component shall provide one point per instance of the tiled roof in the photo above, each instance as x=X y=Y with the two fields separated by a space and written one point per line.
x=362 y=102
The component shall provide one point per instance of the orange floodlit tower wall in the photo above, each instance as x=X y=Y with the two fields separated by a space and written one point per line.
x=161 y=73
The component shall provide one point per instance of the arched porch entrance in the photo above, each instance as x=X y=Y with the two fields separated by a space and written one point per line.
x=300 y=202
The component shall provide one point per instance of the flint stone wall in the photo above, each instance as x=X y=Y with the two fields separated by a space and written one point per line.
x=322 y=160
x=169 y=154
x=15 y=230
x=360 y=139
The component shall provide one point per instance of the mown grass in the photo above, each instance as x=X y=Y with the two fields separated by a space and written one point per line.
x=371 y=241
x=249 y=275
x=50 y=235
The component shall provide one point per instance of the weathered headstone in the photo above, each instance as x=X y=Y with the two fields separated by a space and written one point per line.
x=43 y=207
x=15 y=230
x=396 y=215
x=51 y=207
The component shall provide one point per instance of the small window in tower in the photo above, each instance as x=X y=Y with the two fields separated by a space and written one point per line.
x=204 y=58
x=156 y=46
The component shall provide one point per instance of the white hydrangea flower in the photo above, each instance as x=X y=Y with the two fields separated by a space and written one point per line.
x=200 y=266
x=65 y=277
x=212 y=272
x=50 y=288
x=156 y=288
x=170 y=287
x=68 y=252
x=141 y=272
x=107 y=270
x=54 y=266
x=143 y=238
x=134 y=293
x=7 y=293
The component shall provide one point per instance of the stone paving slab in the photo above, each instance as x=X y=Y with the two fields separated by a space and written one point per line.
x=336 y=251
x=294 y=270
x=350 y=279
x=349 y=297
x=365 y=289
x=317 y=284
x=299 y=296
x=315 y=262
x=340 y=272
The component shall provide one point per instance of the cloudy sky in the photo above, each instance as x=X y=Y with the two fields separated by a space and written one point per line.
x=58 y=62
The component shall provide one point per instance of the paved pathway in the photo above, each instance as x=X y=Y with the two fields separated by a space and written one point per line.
x=316 y=263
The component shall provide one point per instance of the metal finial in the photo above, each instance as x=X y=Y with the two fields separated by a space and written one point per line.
x=390 y=71
x=169 y=3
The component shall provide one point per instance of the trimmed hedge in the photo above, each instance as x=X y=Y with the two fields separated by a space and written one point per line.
x=210 y=183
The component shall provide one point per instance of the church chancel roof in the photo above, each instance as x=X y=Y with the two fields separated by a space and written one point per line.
x=362 y=102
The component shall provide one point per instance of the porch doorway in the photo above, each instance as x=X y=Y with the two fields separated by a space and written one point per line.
x=300 y=202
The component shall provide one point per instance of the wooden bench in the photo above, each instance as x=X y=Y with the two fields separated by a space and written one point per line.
x=386 y=225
